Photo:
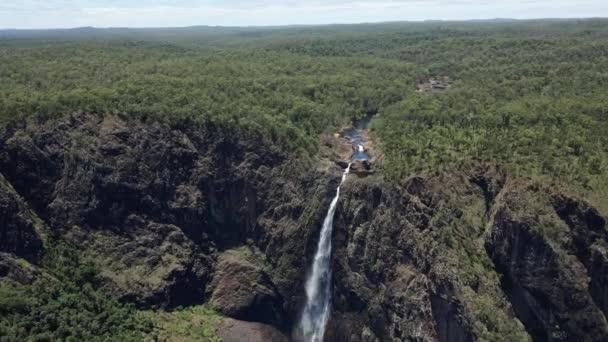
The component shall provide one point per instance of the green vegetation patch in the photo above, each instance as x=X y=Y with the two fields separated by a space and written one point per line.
x=66 y=306
x=196 y=323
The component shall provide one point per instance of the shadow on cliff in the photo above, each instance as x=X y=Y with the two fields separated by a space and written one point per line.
x=184 y=213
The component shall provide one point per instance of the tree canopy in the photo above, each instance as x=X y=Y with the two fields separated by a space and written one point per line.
x=529 y=95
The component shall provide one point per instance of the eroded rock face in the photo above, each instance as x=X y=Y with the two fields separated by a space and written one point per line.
x=386 y=287
x=17 y=270
x=550 y=298
x=425 y=261
x=18 y=233
x=242 y=289
x=230 y=330
x=148 y=262
x=179 y=214
x=589 y=243
x=156 y=205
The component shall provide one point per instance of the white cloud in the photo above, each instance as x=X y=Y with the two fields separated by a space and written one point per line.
x=147 y=13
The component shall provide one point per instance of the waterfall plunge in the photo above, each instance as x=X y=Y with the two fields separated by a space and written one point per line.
x=318 y=284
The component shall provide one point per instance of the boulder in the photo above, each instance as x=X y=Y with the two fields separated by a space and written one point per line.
x=241 y=289
x=361 y=168
x=18 y=270
x=231 y=330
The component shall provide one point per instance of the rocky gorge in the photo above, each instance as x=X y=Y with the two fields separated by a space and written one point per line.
x=184 y=213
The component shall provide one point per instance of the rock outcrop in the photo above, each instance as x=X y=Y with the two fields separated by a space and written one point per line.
x=19 y=271
x=183 y=213
x=156 y=205
x=464 y=258
x=20 y=229
x=589 y=242
x=242 y=289
x=548 y=267
x=240 y=331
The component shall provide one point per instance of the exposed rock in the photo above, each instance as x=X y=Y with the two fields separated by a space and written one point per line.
x=230 y=330
x=429 y=239
x=154 y=203
x=548 y=287
x=335 y=148
x=243 y=290
x=491 y=180
x=589 y=243
x=382 y=287
x=18 y=270
x=415 y=186
x=434 y=84
x=18 y=225
x=361 y=168
x=149 y=264
x=342 y=163
x=182 y=213
x=29 y=169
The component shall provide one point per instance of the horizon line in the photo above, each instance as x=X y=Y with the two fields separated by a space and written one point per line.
x=305 y=25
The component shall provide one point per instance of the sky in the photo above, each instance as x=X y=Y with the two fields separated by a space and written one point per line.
x=23 y=14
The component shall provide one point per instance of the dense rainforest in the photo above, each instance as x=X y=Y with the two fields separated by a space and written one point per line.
x=150 y=177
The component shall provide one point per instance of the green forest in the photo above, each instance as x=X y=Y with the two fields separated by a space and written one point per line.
x=66 y=306
x=530 y=96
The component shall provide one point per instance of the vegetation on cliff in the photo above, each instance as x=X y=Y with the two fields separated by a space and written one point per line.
x=197 y=323
x=529 y=95
x=66 y=304
x=157 y=155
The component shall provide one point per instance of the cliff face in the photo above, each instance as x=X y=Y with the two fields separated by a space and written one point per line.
x=553 y=261
x=157 y=206
x=178 y=214
x=18 y=225
x=468 y=257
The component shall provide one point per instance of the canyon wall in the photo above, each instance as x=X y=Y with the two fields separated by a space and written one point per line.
x=185 y=213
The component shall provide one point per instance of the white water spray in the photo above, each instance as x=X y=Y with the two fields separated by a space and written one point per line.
x=318 y=284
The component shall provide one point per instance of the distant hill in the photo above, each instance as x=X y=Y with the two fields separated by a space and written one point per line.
x=88 y=31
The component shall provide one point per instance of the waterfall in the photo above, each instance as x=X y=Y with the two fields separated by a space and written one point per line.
x=318 y=284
